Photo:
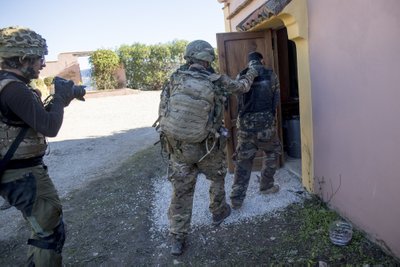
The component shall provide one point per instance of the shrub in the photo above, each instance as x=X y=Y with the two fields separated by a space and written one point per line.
x=104 y=63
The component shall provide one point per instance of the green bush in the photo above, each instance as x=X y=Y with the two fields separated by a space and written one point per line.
x=40 y=85
x=147 y=67
x=134 y=57
x=48 y=80
x=104 y=63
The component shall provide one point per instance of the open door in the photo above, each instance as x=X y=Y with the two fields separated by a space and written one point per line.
x=233 y=49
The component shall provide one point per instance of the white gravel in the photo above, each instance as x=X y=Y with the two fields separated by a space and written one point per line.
x=255 y=204
x=100 y=133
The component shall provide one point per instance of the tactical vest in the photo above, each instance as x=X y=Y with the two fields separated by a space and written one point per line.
x=260 y=97
x=192 y=109
x=33 y=145
x=256 y=107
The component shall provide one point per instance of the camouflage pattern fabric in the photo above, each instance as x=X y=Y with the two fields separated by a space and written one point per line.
x=183 y=177
x=200 y=50
x=255 y=121
x=31 y=191
x=257 y=131
x=18 y=41
x=190 y=108
x=248 y=144
x=184 y=159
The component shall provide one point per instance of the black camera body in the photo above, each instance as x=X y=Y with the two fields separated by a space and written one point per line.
x=77 y=91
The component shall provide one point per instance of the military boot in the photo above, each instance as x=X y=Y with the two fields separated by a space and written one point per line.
x=177 y=246
x=272 y=190
x=219 y=218
x=236 y=203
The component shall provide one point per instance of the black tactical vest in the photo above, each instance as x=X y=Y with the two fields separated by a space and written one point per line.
x=260 y=97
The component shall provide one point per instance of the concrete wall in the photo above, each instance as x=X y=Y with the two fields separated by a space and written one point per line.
x=67 y=66
x=354 y=63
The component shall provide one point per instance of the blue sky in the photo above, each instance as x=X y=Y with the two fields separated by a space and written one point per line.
x=83 y=25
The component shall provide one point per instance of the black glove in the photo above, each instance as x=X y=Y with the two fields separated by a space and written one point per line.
x=79 y=92
x=67 y=91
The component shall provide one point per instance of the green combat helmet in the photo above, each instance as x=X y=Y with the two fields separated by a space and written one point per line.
x=20 y=42
x=200 y=50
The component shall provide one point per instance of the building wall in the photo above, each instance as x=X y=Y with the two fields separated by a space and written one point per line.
x=348 y=84
x=67 y=66
x=354 y=64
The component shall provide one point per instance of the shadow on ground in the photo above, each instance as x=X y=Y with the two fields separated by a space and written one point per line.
x=109 y=223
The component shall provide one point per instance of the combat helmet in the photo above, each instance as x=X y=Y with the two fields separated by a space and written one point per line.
x=20 y=42
x=200 y=50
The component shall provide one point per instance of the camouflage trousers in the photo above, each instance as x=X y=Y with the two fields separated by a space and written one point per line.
x=183 y=174
x=31 y=191
x=248 y=144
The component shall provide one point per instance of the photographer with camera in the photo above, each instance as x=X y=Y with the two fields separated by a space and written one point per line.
x=25 y=122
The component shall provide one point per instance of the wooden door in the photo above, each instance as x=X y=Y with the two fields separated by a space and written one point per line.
x=233 y=49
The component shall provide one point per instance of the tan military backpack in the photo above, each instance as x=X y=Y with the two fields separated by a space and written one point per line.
x=189 y=112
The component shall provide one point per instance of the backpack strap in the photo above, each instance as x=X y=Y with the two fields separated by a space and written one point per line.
x=12 y=149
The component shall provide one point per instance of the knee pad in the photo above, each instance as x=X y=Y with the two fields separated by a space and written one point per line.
x=54 y=241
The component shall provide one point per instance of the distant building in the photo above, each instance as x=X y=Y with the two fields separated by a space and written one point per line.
x=67 y=66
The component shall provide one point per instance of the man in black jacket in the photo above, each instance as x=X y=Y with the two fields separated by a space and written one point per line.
x=257 y=131
x=25 y=182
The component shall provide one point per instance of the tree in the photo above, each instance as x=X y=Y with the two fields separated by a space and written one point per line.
x=148 y=66
x=134 y=57
x=104 y=63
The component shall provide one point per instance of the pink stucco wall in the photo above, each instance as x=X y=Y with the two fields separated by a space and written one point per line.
x=355 y=76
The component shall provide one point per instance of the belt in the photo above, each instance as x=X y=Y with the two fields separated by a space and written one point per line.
x=24 y=163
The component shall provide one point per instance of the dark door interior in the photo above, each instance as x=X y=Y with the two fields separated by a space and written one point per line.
x=289 y=109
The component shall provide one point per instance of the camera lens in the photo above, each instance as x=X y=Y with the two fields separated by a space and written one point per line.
x=79 y=91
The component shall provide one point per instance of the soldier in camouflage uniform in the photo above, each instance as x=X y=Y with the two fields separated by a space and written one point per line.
x=187 y=160
x=257 y=131
x=25 y=182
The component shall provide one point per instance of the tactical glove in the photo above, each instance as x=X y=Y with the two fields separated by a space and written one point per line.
x=79 y=92
x=67 y=91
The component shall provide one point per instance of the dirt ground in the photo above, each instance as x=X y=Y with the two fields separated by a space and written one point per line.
x=109 y=223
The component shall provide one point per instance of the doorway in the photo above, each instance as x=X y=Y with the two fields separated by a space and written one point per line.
x=286 y=65
x=279 y=54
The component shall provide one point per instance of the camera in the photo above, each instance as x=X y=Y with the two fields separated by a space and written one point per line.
x=78 y=91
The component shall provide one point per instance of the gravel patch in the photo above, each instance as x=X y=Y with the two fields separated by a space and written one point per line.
x=255 y=204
